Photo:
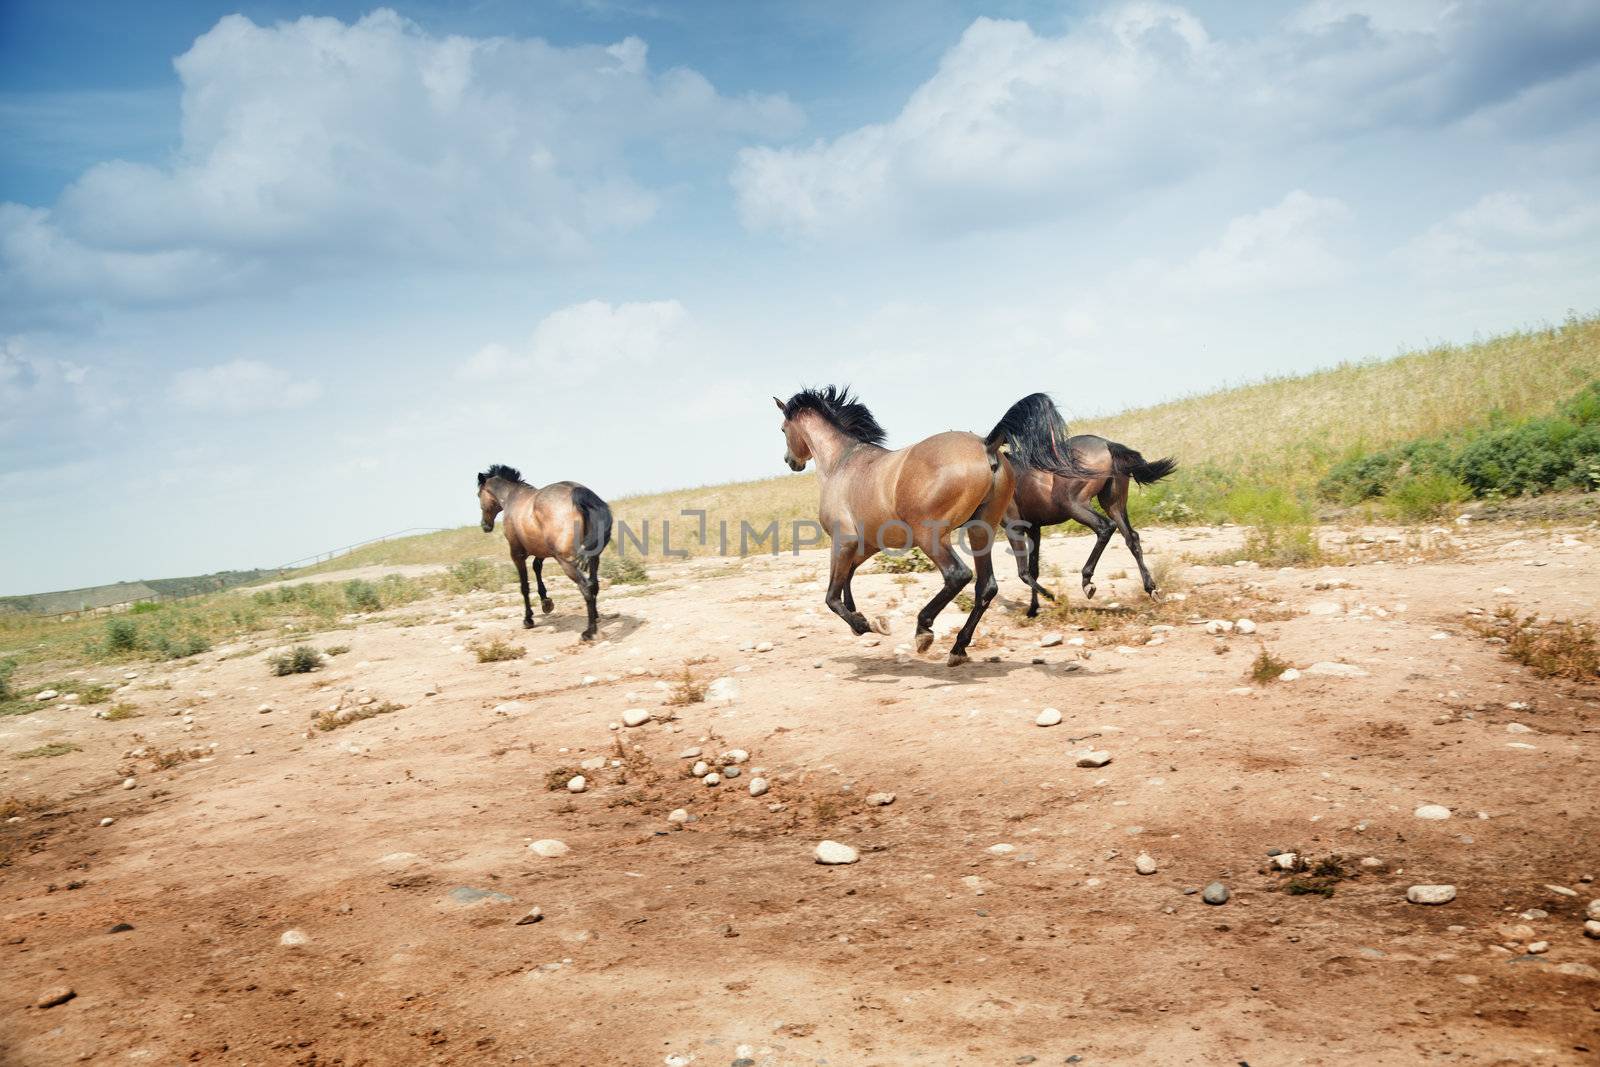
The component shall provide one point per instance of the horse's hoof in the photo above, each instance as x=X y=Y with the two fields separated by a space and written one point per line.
x=880 y=625
x=1033 y=611
x=527 y=623
x=548 y=605
x=1154 y=594
x=956 y=659
x=924 y=641
x=1088 y=590
x=587 y=635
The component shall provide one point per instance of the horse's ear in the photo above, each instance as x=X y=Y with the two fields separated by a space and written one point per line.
x=482 y=477
x=778 y=402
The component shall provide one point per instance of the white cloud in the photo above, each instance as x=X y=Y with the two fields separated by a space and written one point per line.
x=584 y=340
x=36 y=389
x=1288 y=245
x=242 y=385
x=320 y=142
x=1016 y=125
x=1508 y=236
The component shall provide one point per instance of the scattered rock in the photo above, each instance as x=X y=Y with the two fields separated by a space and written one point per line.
x=1217 y=627
x=1431 y=894
x=1285 y=861
x=764 y=646
x=1215 y=893
x=833 y=853
x=54 y=995
x=107 y=821
x=1538 y=948
x=1373 y=863
x=1433 y=812
x=1289 y=675
x=1518 y=728
x=577 y=784
x=722 y=691
x=130 y=783
x=1048 y=717
x=700 y=769
x=1093 y=758
x=690 y=753
x=731 y=772
x=46 y=694
x=466 y=894
x=759 y=787
x=294 y=939
x=880 y=800
x=1335 y=670
x=1244 y=626
x=735 y=755
x=1049 y=640
x=1594 y=909
x=1144 y=863
x=120 y=928
x=534 y=915
x=635 y=717
x=1561 y=890
x=1591 y=928
x=712 y=779
x=678 y=815
x=549 y=848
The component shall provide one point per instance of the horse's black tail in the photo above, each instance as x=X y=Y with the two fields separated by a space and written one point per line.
x=596 y=521
x=1127 y=462
x=1035 y=436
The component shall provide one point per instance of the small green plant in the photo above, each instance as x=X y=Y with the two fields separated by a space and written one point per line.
x=1555 y=649
x=623 y=570
x=362 y=595
x=118 y=712
x=902 y=562
x=688 y=690
x=336 y=650
x=471 y=575
x=144 y=607
x=1267 y=667
x=964 y=602
x=182 y=646
x=58 y=748
x=498 y=651
x=8 y=667
x=301 y=659
x=1419 y=497
x=122 y=635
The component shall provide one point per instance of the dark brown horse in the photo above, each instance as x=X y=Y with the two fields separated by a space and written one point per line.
x=1045 y=497
x=563 y=521
x=872 y=499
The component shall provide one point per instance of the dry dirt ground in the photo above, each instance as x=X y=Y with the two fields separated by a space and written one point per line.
x=398 y=848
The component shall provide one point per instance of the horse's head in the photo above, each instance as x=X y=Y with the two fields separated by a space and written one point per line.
x=797 y=451
x=488 y=502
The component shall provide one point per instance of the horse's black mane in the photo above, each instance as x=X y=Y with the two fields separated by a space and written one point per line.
x=500 y=470
x=847 y=414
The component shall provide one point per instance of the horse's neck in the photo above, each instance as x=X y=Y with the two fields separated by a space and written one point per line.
x=506 y=490
x=829 y=445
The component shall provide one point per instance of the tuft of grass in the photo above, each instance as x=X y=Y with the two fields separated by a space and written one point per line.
x=8 y=667
x=1556 y=648
x=903 y=563
x=362 y=595
x=57 y=748
x=332 y=720
x=1267 y=667
x=336 y=650
x=623 y=570
x=122 y=635
x=1419 y=497
x=301 y=659
x=1317 y=879
x=163 y=761
x=471 y=575
x=14 y=805
x=556 y=779
x=498 y=651
x=688 y=689
x=118 y=712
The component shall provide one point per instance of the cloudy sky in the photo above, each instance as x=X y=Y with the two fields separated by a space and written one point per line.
x=281 y=276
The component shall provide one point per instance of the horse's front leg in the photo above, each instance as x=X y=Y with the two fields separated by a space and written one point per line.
x=842 y=567
x=521 y=560
x=544 y=598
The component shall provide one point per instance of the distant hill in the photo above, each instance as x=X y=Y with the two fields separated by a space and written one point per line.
x=102 y=596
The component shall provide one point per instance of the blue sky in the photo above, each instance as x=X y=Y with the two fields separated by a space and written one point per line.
x=277 y=277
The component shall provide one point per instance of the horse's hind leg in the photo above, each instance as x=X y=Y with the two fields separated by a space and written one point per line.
x=544 y=598
x=578 y=579
x=521 y=560
x=956 y=576
x=983 y=590
x=1080 y=511
x=1117 y=508
x=1035 y=535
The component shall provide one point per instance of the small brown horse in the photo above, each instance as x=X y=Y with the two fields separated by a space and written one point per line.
x=1045 y=497
x=873 y=499
x=563 y=521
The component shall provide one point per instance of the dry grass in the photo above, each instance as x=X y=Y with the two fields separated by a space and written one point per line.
x=163 y=761
x=498 y=651
x=118 y=712
x=688 y=689
x=1268 y=668
x=14 y=806
x=332 y=720
x=57 y=748
x=1553 y=648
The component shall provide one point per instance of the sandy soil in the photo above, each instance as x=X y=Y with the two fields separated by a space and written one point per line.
x=723 y=942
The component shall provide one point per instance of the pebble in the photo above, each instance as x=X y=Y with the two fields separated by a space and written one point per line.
x=549 y=848
x=130 y=783
x=1561 y=890
x=759 y=787
x=689 y=753
x=107 y=821
x=1216 y=627
x=1049 y=640
x=712 y=779
x=1434 y=812
x=1591 y=928
x=880 y=800
x=534 y=915
x=1215 y=893
x=1289 y=675
x=293 y=938
x=54 y=995
x=1001 y=849
x=735 y=755
x=1325 y=669
x=1518 y=728
x=1285 y=861
x=1594 y=909
x=1431 y=894
x=1093 y=759
x=722 y=691
x=1244 y=626
x=1048 y=717
x=730 y=772
x=46 y=694
x=1144 y=863
x=764 y=646
x=635 y=717
x=264 y=709
x=700 y=769
x=577 y=784
x=1538 y=948
x=833 y=853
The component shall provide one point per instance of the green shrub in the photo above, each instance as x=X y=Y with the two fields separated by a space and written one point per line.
x=144 y=607
x=168 y=646
x=122 y=635
x=301 y=659
x=498 y=651
x=1426 y=496
x=8 y=667
x=623 y=570
x=903 y=562
x=471 y=575
x=362 y=595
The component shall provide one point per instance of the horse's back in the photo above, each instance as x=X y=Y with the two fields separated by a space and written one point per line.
x=949 y=476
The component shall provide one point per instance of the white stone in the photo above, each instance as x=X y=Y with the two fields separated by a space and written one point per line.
x=700 y=769
x=1244 y=626
x=678 y=815
x=722 y=691
x=1001 y=849
x=764 y=646
x=1285 y=861
x=1217 y=627
x=293 y=938
x=1289 y=675
x=735 y=755
x=1435 y=812
x=1335 y=670
x=1048 y=717
x=1561 y=890
x=690 y=753
x=833 y=853
x=1591 y=928
x=549 y=848
x=1593 y=911
x=1049 y=640
x=759 y=787
x=880 y=800
x=635 y=717
x=1431 y=894
x=107 y=821
x=46 y=694
x=577 y=784
x=1518 y=728
x=712 y=779
x=1093 y=758
x=1537 y=948
x=129 y=783
x=1144 y=863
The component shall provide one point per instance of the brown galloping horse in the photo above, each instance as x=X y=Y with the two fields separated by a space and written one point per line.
x=873 y=499
x=1045 y=497
x=563 y=521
